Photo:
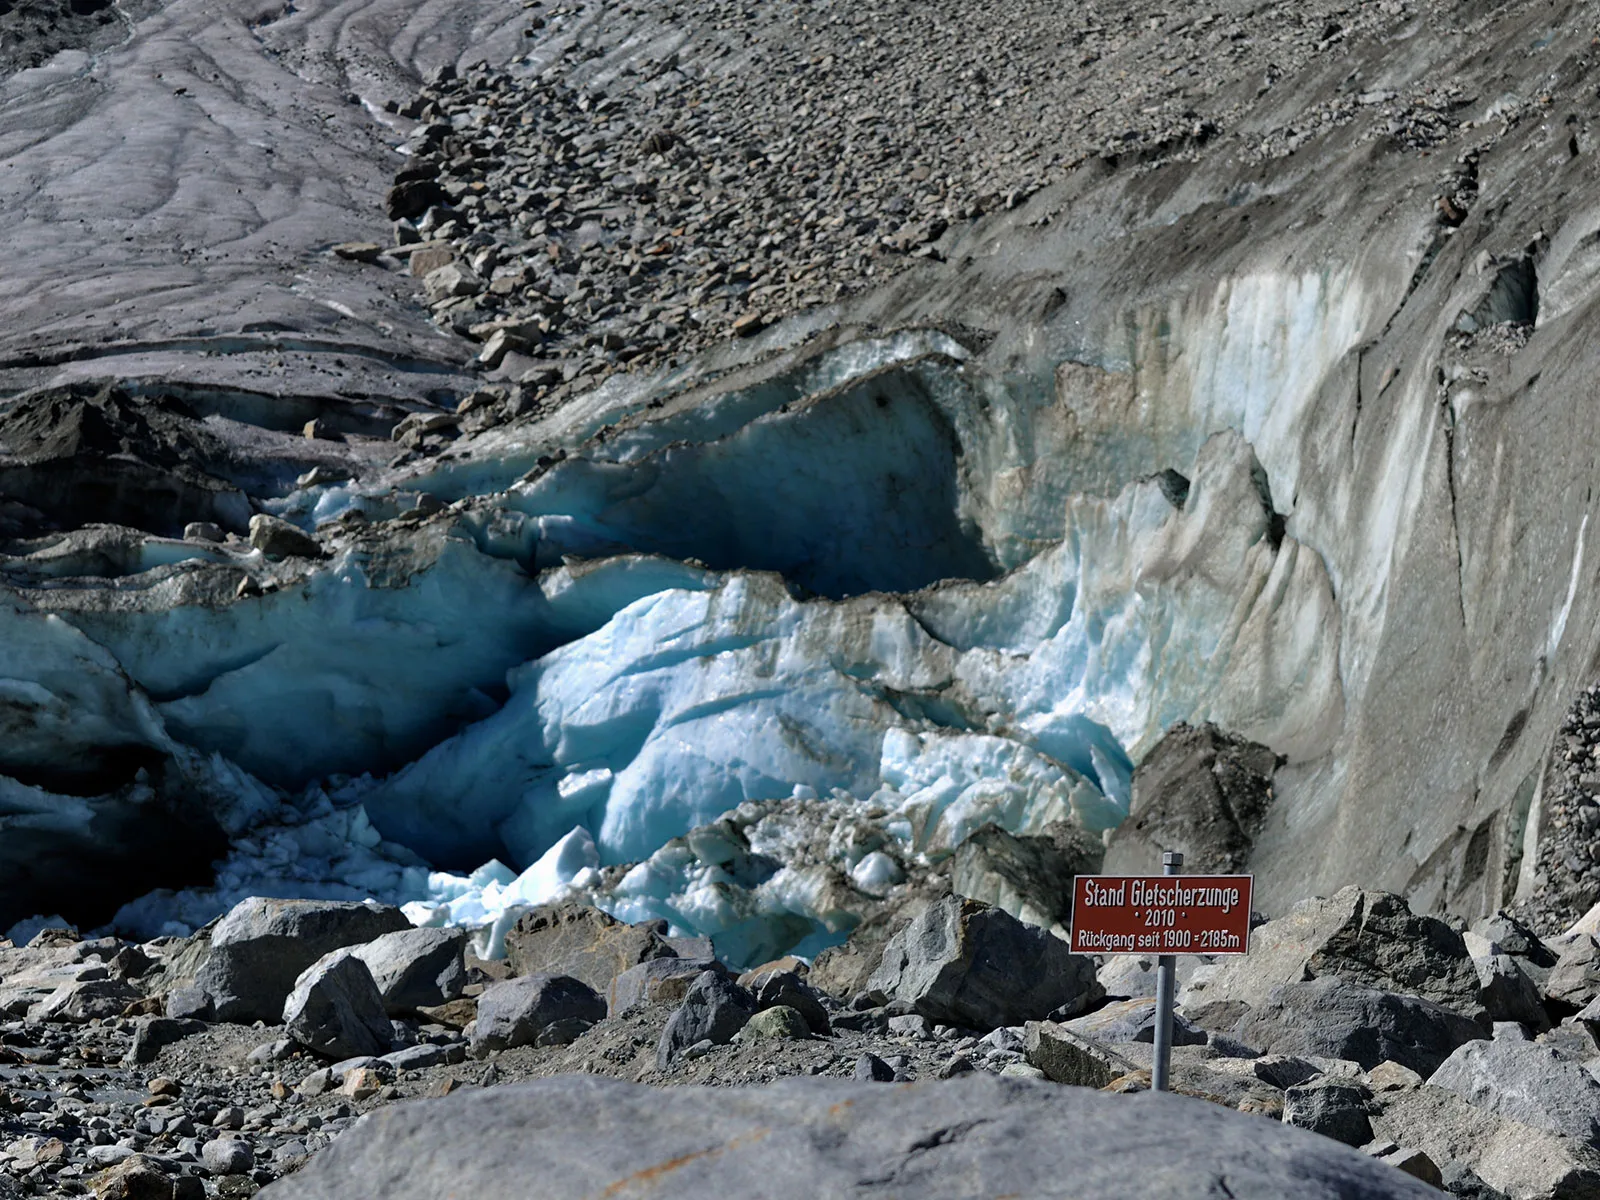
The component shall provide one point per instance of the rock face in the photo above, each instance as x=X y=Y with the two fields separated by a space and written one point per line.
x=336 y=1010
x=259 y=950
x=964 y=963
x=1201 y=791
x=583 y=942
x=1368 y=938
x=788 y=1141
x=1334 y=1018
x=535 y=1010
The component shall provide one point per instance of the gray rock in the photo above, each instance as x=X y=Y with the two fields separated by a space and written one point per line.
x=968 y=964
x=190 y=1003
x=417 y=1058
x=1333 y=1018
x=152 y=1034
x=1532 y=1083
x=1134 y=1021
x=583 y=942
x=335 y=1009
x=453 y=279
x=870 y=1067
x=658 y=981
x=416 y=968
x=1575 y=979
x=1333 y=1108
x=1201 y=791
x=779 y=1023
x=1368 y=938
x=260 y=948
x=81 y=1001
x=1028 y=877
x=787 y=989
x=203 y=531
x=585 y=1136
x=715 y=1009
x=228 y=1156
x=1067 y=1057
x=1507 y=994
x=534 y=1010
x=1514 y=1158
x=276 y=538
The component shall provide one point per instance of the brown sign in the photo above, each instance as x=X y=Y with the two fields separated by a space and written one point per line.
x=1161 y=914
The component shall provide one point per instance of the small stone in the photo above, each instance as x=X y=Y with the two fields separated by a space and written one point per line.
x=1021 y=1070
x=364 y=252
x=910 y=1025
x=1392 y=1077
x=869 y=1067
x=229 y=1117
x=959 y=1065
x=203 y=531
x=361 y=1083
x=163 y=1086
x=748 y=324
x=316 y=429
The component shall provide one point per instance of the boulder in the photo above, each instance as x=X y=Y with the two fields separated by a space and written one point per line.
x=779 y=1023
x=1199 y=790
x=659 y=981
x=534 y=1010
x=1535 y=1084
x=262 y=946
x=964 y=963
x=276 y=538
x=81 y=1001
x=1507 y=994
x=1068 y=1057
x=714 y=1009
x=788 y=990
x=1134 y=1021
x=416 y=968
x=1575 y=979
x=584 y=943
x=152 y=1034
x=1335 y=1108
x=228 y=1156
x=798 y=1139
x=1367 y=938
x=335 y=1009
x=1335 y=1018
x=1028 y=877
x=1518 y=1160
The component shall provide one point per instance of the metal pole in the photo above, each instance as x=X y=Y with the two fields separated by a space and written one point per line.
x=1171 y=864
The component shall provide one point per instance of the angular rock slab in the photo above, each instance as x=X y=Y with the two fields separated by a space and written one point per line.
x=964 y=963
x=1331 y=1018
x=533 y=1010
x=802 y=1139
x=583 y=942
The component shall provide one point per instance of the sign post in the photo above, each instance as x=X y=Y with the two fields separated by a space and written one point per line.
x=1166 y=977
x=1165 y=916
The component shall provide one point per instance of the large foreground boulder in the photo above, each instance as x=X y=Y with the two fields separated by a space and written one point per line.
x=1370 y=938
x=802 y=1139
x=261 y=947
x=964 y=963
x=583 y=942
x=1334 y=1018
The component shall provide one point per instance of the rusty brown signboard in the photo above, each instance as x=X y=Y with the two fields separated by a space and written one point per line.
x=1161 y=914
